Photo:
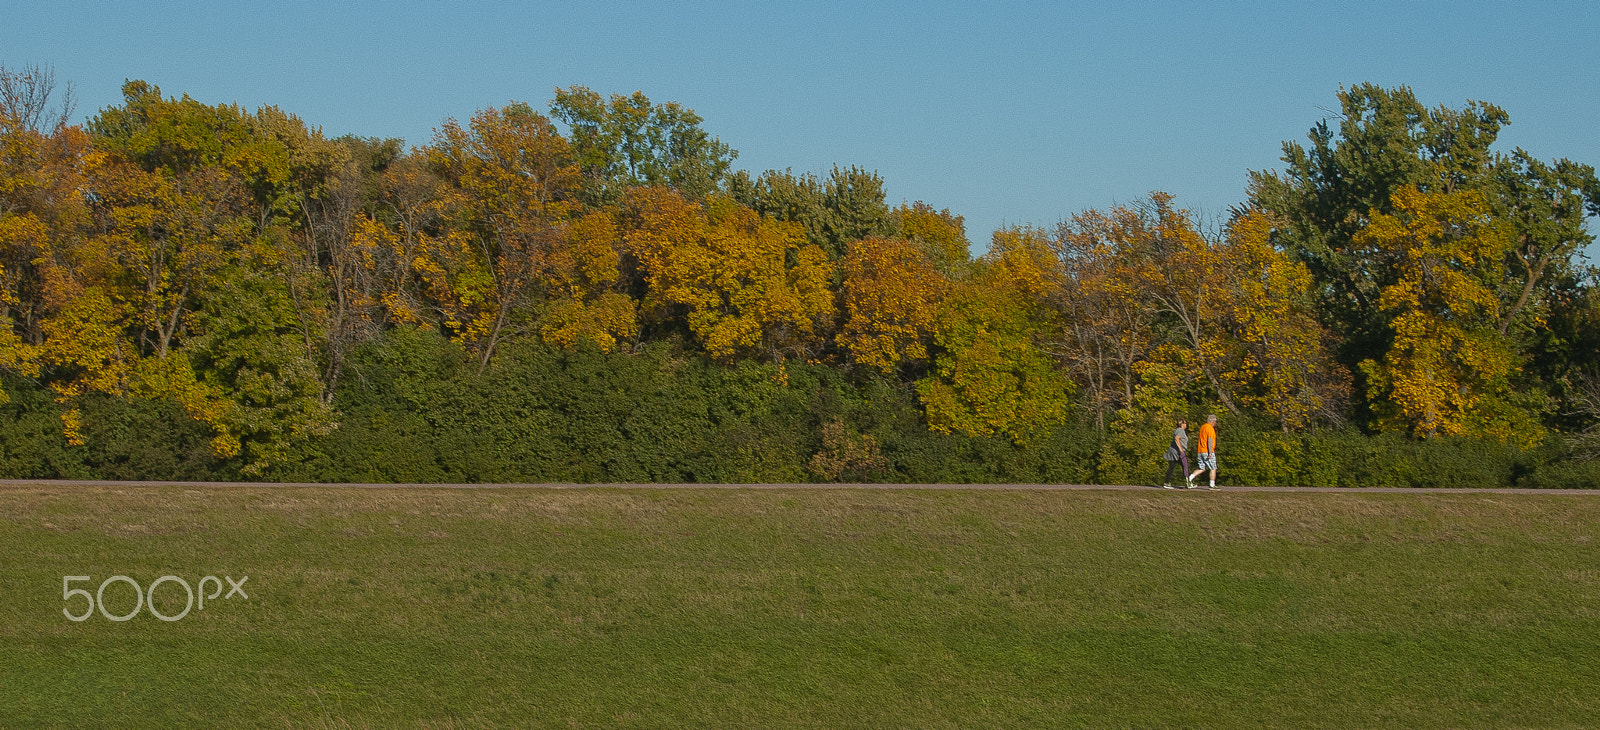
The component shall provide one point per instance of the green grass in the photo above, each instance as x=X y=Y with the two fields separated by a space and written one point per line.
x=826 y=608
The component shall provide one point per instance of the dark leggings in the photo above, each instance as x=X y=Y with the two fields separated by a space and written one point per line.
x=1171 y=465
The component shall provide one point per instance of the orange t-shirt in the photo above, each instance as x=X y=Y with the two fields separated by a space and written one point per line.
x=1208 y=439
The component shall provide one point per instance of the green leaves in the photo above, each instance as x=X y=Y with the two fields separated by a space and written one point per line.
x=628 y=141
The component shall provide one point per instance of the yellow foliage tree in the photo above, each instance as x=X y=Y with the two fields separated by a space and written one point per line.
x=940 y=234
x=161 y=238
x=750 y=285
x=1286 y=370
x=990 y=375
x=1107 y=324
x=1447 y=371
x=584 y=271
x=39 y=202
x=512 y=182
x=891 y=292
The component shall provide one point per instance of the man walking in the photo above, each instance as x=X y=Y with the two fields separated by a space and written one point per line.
x=1207 y=452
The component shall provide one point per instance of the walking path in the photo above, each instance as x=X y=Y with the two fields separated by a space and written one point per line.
x=35 y=483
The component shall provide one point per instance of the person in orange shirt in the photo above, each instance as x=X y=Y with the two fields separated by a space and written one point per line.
x=1207 y=452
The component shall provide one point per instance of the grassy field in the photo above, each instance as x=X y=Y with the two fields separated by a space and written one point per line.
x=804 y=608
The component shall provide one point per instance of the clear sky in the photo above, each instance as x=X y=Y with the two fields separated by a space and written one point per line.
x=1002 y=112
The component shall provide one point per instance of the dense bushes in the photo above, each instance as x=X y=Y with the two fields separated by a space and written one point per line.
x=415 y=409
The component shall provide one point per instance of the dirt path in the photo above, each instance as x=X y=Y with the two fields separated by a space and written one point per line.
x=35 y=483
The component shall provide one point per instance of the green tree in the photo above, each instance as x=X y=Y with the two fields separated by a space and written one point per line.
x=1386 y=140
x=190 y=201
x=629 y=141
x=848 y=206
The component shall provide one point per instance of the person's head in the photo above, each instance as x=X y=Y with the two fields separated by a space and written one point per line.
x=1183 y=423
x=1212 y=419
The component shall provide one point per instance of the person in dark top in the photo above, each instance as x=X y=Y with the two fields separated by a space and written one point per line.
x=1177 y=453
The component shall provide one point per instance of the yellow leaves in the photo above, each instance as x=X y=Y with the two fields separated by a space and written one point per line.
x=1444 y=244
x=602 y=321
x=589 y=260
x=750 y=284
x=383 y=255
x=20 y=236
x=16 y=355
x=1285 y=369
x=86 y=343
x=86 y=340
x=461 y=282
x=940 y=235
x=511 y=167
x=990 y=375
x=891 y=295
x=583 y=269
x=1447 y=370
x=1021 y=258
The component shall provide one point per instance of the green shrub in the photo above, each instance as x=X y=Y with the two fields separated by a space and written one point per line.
x=413 y=407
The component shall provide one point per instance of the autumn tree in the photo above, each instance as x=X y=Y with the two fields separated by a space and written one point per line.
x=748 y=285
x=1183 y=276
x=1448 y=368
x=989 y=374
x=584 y=271
x=1386 y=140
x=189 y=202
x=1146 y=300
x=333 y=285
x=1288 y=371
x=891 y=292
x=511 y=187
x=940 y=234
x=1143 y=282
x=41 y=210
x=1107 y=325
x=406 y=216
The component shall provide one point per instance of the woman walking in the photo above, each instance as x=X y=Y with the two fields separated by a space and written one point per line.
x=1177 y=453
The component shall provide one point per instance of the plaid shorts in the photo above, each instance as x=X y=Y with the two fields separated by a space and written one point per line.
x=1207 y=461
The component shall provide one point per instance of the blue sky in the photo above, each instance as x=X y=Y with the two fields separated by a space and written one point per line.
x=1006 y=113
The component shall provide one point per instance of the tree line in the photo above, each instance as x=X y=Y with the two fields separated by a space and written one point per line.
x=278 y=303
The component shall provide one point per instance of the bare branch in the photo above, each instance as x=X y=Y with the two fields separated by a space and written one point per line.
x=25 y=98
